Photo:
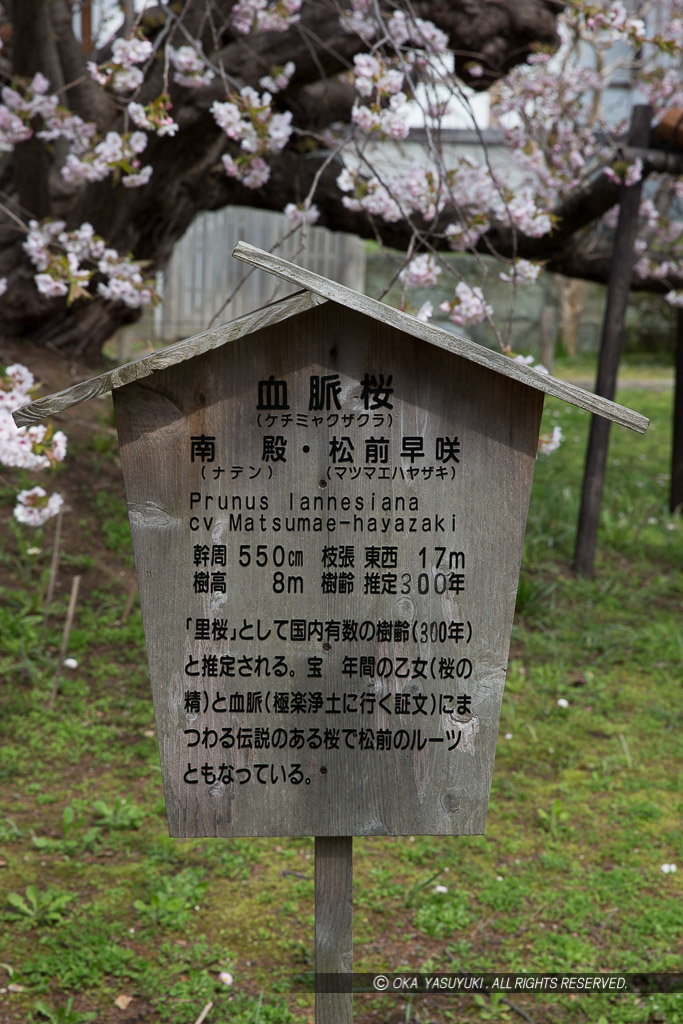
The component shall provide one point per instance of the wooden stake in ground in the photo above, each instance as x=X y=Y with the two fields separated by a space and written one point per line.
x=610 y=351
x=75 y=584
x=333 y=925
x=54 y=565
x=676 y=494
x=130 y=600
x=205 y=1012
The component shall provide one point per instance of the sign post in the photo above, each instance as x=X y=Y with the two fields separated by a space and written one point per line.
x=328 y=516
x=333 y=925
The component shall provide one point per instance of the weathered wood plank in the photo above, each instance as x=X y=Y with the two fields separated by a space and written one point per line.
x=42 y=408
x=200 y=276
x=368 y=495
x=334 y=924
x=442 y=339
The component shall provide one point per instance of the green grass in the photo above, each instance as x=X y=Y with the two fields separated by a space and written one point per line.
x=585 y=804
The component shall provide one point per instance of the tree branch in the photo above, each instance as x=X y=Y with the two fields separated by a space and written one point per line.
x=85 y=97
x=496 y=34
x=30 y=52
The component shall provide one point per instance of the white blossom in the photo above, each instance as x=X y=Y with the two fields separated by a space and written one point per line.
x=35 y=508
x=302 y=213
x=422 y=271
x=546 y=445
x=523 y=271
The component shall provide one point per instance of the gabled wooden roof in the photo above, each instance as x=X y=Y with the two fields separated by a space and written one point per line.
x=273 y=313
x=438 y=336
x=319 y=289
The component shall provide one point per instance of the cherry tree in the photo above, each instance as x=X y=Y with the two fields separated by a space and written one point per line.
x=109 y=152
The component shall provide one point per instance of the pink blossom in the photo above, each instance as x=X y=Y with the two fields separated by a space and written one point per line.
x=137 y=180
x=393 y=122
x=302 y=213
x=260 y=16
x=468 y=307
x=34 y=508
x=345 y=181
x=360 y=19
x=279 y=130
x=366 y=66
x=21 y=377
x=550 y=443
x=190 y=66
x=674 y=298
x=13 y=129
x=228 y=117
x=528 y=217
x=131 y=51
x=154 y=117
x=279 y=78
x=127 y=79
x=49 y=287
x=523 y=272
x=422 y=271
x=257 y=174
x=634 y=173
x=15 y=383
x=229 y=165
x=461 y=237
x=367 y=120
x=102 y=77
x=403 y=28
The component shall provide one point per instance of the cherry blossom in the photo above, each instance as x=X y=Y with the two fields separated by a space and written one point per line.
x=121 y=73
x=261 y=16
x=68 y=260
x=279 y=77
x=34 y=507
x=551 y=109
x=522 y=271
x=31 y=447
x=28 y=448
x=155 y=117
x=302 y=213
x=422 y=271
x=191 y=69
x=248 y=117
x=468 y=306
x=548 y=443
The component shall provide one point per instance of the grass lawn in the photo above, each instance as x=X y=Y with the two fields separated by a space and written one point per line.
x=106 y=919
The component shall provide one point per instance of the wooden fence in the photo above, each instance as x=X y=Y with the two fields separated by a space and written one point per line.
x=202 y=281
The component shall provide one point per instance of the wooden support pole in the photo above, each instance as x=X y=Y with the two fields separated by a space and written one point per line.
x=54 y=566
x=676 y=495
x=75 y=584
x=610 y=352
x=333 y=924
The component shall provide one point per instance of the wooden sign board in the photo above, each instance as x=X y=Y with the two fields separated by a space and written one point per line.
x=327 y=500
x=328 y=518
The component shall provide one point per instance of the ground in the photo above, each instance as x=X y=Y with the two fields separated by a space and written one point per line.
x=583 y=812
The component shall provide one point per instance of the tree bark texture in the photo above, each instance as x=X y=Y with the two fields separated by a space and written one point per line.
x=188 y=175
